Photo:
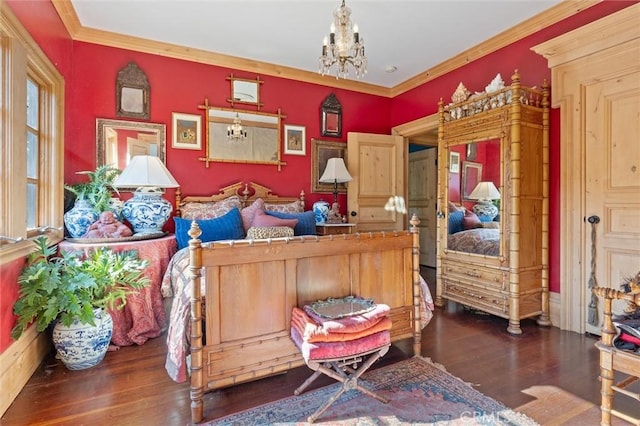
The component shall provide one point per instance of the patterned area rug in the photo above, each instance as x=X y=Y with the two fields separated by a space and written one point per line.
x=420 y=393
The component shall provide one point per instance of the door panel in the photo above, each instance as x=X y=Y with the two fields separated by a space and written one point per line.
x=613 y=182
x=423 y=175
x=376 y=163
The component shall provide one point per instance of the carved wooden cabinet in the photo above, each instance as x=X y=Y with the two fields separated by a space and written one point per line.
x=498 y=265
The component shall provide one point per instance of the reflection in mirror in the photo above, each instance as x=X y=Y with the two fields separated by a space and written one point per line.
x=119 y=140
x=261 y=144
x=466 y=231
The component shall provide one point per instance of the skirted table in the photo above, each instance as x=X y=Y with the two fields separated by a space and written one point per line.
x=144 y=316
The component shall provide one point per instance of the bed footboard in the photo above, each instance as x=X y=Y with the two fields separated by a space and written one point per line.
x=252 y=287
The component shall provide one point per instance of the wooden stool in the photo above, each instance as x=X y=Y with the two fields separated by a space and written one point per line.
x=345 y=370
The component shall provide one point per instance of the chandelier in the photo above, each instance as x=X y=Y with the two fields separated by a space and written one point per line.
x=344 y=47
x=235 y=133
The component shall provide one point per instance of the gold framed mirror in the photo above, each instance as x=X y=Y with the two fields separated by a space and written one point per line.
x=471 y=176
x=259 y=143
x=119 y=140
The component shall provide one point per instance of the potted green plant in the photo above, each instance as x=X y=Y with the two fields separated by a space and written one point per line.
x=73 y=291
x=91 y=199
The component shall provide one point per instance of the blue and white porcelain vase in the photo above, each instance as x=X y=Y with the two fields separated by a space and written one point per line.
x=79 y=218
x=321 y=211
x=147 y=211
x=82 y=346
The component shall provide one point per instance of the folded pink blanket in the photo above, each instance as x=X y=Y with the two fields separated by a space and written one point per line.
x=312 y=332
x=352 y=324
x=331 y=350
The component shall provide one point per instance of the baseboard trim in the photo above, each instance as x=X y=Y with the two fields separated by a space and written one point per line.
x=18 y=363
x=554 y=308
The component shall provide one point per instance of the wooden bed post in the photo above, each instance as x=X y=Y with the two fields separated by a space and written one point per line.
x=195 y=266
x=415 y=270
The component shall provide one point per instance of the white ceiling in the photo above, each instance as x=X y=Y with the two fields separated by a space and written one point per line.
x=410 y=35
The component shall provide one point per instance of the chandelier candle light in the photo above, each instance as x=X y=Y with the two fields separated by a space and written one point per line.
x=344 y=47
x=147 y=211
x=235 y=133
x=485 y=192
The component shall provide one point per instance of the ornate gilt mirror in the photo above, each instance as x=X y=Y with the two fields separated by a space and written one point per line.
x=132 y=93
x=119 y=140
x=331 y=117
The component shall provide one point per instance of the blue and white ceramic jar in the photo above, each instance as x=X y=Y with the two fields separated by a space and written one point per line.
x=321 y=211
x=80 y=345
x=79 y=218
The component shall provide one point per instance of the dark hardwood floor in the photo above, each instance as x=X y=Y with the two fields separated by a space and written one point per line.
x=131 y=387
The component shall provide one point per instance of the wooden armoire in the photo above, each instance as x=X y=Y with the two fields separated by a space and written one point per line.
x=500 y=137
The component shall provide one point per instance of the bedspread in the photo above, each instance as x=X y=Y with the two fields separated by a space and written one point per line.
x=479 y=240
x=176 y=285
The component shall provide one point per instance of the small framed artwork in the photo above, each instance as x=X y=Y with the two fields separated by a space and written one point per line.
x=295 y=140
x=187 y=131
x=454 y=162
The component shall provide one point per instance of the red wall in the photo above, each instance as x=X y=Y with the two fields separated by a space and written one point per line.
x=180 y=86
x=90 y=70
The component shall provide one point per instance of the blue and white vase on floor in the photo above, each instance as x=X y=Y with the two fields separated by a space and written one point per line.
x=79 y=218
x=82 y=346
x=321 y=211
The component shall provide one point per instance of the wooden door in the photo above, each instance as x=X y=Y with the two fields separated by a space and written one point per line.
x=376 y=163
x=423 y=180
x=612 y=183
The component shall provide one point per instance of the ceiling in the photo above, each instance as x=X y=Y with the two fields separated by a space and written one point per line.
x=412 y=36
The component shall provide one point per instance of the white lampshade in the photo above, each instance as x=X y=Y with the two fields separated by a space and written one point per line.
x=335 y=172
x=485 y=191
x=147 y=211
x=145 y=170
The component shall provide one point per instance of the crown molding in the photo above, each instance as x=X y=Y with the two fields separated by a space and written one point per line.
x=542 y=20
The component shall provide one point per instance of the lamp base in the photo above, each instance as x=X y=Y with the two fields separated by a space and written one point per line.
x=147 y=211
x=485 y=210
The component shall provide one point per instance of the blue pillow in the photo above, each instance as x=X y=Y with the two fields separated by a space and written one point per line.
x=226 y=227
x=456 y=220
x=306 y=221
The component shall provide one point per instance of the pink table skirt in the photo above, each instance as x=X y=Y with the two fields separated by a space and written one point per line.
x=143 y=317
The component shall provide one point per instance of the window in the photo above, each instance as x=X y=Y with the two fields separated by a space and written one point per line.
x=31 y=129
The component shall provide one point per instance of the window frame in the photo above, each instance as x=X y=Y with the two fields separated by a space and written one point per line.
x=20 y=56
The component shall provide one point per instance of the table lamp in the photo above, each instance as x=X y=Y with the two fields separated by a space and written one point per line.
x=335 y=173
x=147 y=211
x=484 y=192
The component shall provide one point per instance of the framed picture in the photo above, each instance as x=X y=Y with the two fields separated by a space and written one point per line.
x=454 y=162
x=187 y=131
x=321 y=152
x=295 y=141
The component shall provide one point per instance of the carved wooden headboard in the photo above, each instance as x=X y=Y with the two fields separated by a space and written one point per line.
x=247 y=191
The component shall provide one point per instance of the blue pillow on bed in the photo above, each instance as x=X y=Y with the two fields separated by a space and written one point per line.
x=226 y=227
x=456 y=220
x=306 y=221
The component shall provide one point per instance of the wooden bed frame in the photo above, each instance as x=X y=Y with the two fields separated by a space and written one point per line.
x=612 y=360
x=253 y=285
x=247 y=191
